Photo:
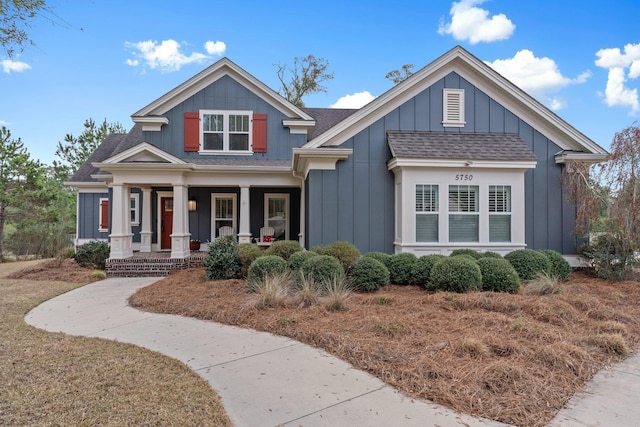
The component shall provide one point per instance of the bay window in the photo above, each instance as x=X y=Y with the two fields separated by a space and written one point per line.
x=499 y=213
x=464 y=213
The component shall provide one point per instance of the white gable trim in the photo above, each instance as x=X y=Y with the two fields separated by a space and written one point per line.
x=481 y=76
x=221 y=68
x=143 y=152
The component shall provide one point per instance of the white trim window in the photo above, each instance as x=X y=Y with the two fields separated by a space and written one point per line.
x=453 y=108
x=223 y=212
x=134 y=203
x=427 y=213
x=499 y=213
x=276 y=214
x=464 y=213
x=225 y=131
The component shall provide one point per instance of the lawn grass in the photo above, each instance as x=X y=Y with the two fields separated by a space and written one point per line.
x=55 y=379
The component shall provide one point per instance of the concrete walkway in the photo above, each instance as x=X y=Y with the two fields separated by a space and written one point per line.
x=265 y=380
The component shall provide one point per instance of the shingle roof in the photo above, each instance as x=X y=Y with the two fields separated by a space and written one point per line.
x=462 y=146
x=104 y=151
x=326 y=118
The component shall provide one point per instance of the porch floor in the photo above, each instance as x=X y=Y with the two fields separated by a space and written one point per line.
x=151 y=264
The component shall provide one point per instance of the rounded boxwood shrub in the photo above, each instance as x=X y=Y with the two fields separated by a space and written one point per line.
x=92 y=254
x=383 y=257
x=284 y=248
x=456 y=274
x=322 y=268
x=369 y=274
x=529 y=263
x=344 y=252
x=264 y=266
x=469 y=257
x=295 y=260
x=424 y=264
x=490 y=254
x=402 y=268
x=560 y=267
x=222 y=260
x=248 y=253
x=498 y=275
x=470 y=252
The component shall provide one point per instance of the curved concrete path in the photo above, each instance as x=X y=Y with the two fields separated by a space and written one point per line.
x=266 y=380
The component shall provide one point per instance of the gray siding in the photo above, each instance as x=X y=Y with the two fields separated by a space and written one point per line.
x=355 y=203
x=89 y=206
x=226 y=94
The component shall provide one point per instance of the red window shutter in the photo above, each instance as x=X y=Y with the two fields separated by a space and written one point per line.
x=104 y=214
x=259 y=133
x=192 y=131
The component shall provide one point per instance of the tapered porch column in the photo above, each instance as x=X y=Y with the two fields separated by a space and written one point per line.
x=180 y=236
x=146 y=233
x=244 y=232
x=121 y=236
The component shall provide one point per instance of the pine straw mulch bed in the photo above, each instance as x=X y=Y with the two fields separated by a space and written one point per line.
x=512 y=358
x=53 y=270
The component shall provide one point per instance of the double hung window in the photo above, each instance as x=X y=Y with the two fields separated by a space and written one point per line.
x=226 y=131
x=464 y=213
x=224 y=212
x=426 y=213
x=499 y=213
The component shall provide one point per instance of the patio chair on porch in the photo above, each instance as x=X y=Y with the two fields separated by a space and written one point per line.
x=266 y=236
x=226 y=231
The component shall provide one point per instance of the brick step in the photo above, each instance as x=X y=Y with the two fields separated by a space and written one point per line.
x=149 y=267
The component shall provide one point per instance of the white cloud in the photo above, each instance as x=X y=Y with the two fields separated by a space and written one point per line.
x=538 y=76
x=166 y=56
x=4 y=123
x=356 y=100
x=474 y=24
x=557 y=104
x=9 y=66
x=617 y=93
x=215 y=48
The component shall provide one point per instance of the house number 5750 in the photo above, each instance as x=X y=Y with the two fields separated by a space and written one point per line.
x=462 y=177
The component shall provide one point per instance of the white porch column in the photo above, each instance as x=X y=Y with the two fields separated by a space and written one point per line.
x=180 y=236
x=244 y=232
x=121 y=236
x=303 y=214
x=146 y=233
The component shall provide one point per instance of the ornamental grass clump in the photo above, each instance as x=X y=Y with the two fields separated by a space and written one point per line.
x=271 y=291
x=560 y=268
x=222 y=260
x=369 y=275
x=264 y=266
x=456 y=274
x=528 y=263
x=498 y=275
x=336 y=294
x=284 y=248
x=402 y=268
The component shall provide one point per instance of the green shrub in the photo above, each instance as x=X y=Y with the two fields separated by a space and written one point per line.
x=490 y=254
x=93 y=254
x=528 y=263
x=610 y=257
x=284 y=248
x=469 y=257
x=470 y=252
x=222 y=260
x=369 y=274
x=560 y=268
x=383 y=257
x=248 y=253
x=424 y=264
x=264 y=267
x=456 y=274
x=296 y=259
x=498 y=275
x=344 y=252
x=322 y=268
x=402 y=268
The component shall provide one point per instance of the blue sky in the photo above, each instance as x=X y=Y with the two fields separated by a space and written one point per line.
x=108 y=59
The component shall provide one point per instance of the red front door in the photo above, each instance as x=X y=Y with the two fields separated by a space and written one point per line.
x=166 y=222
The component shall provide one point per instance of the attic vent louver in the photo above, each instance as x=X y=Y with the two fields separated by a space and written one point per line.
x=453 y=108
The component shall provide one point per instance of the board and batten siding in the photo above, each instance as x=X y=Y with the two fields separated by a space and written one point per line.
x=355 y=202
x=89 y=206
x=226 y=94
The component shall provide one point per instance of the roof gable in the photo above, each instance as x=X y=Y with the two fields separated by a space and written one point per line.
x=143 y=153
x=480 y=75
x=219 y=69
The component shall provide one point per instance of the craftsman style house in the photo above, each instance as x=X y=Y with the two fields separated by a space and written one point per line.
x=455 y=156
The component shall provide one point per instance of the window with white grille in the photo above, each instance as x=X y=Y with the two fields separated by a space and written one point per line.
x=464 y=213
x=499 y=213
x=426 y=213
